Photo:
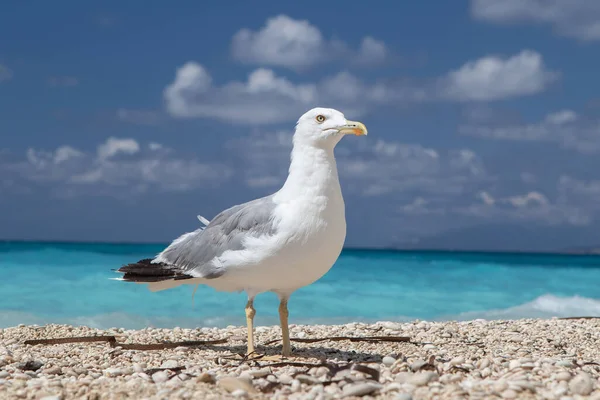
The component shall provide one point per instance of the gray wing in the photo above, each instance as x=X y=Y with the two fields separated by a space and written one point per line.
x=193 y=251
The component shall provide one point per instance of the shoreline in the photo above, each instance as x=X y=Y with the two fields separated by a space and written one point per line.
x=527 y=358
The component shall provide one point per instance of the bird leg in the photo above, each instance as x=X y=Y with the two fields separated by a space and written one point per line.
x=286 y=350
x=250 y=313
x=251 y=355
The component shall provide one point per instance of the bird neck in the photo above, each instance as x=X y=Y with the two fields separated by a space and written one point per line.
x=312 y=173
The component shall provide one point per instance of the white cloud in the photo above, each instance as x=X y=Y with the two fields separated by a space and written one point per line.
x=65 y=81
x=421 y=206
x=530 y=206
x=283 y=41
x=565 y=127
x=5 y=73
x=528 y=199
x=493 y=78
x=372 y=51
x=155 y=146
x=369 y=169
x=138 y=117
x=296 y=44
x=487 y=198
x=114 y=146
x=72 y=172
x=66 y=153
x=264 y=98
x=387 y=167
x=572 y=18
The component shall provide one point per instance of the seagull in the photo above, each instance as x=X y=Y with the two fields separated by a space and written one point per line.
x=278 y=243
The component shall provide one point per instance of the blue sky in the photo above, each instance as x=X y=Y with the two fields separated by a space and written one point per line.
x=122 y=123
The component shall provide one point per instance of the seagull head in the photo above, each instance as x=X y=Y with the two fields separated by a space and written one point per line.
x=325 y=127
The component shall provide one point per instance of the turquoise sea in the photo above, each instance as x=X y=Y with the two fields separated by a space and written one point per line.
x=69 y=283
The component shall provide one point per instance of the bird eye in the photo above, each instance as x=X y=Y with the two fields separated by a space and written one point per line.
x=320 y=119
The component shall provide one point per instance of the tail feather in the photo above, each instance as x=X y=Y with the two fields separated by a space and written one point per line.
x=147 y=271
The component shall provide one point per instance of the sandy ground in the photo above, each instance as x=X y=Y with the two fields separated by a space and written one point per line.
x=547 y=359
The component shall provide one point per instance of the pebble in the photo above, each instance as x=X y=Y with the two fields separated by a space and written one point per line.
x=160 y=376
x=259 y=373
x=563 y=376
x=423 y=378
x=564 y=363
x=285 y=379
x=509 y=394
x=554 y=360
x=138 y=368
x=513 y=364
x=239 y=393
x=205 y=377
x=388 y=361
x=112 y=372
x=360 y=389
x=169 y=364
x=457 y=360
x=417 y=365
x=231 y=384
x=581 y=384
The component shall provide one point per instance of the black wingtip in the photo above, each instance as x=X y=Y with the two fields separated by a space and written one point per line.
x=147 y=271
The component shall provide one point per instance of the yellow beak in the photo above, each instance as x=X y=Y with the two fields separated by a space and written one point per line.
x=354 y=128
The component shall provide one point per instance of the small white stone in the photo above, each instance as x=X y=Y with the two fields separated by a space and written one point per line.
x=138 y=368
x=169 y=364
x=160 y=376
x=500 y=386
x=285 y=379
x=564 y=363
x=184 y=377
x=513 y=364
x=112 y=372
x=239 y=393
x=259 y=373
x=360 y=389
x=388 y=361
x=423 y=378
x=457 y=360
x=563 y=376
x=581 y=384
x=295 y=386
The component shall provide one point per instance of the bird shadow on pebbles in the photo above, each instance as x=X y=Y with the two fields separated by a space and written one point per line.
x=223 y=350
x=315 y=355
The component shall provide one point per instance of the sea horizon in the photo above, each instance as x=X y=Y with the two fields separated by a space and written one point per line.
x=583 y=251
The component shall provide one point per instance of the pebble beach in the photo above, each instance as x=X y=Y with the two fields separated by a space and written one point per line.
x=519 y=359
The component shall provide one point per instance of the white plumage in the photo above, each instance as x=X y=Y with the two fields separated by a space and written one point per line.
x=278 y=243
